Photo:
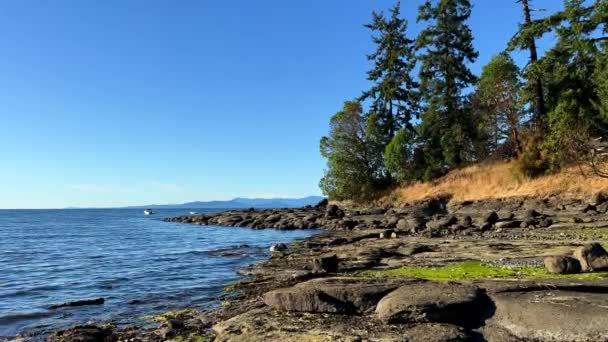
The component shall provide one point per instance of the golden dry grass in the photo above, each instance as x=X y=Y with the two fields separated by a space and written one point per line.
x=497 y=180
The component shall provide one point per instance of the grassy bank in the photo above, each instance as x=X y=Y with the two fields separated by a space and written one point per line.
x=499 y=180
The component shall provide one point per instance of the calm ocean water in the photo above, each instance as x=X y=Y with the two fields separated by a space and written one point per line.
x=139 y=264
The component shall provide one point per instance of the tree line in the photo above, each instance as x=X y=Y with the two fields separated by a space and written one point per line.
x=416 y=127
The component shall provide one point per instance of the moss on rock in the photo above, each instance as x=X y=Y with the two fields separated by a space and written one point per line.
x=472 y=270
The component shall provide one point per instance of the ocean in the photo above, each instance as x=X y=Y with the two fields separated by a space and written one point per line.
x=138 y=264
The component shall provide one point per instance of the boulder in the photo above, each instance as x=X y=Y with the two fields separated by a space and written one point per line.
x=491 y=217
x=508 y=224
x=598 y=198
x=279 y=247
x=431 y=302
x=84 y=333
x=386 y=234
x=392 y=221
x=333 y=211
x=402 y=224
x=322 y=203
x=327 y=263
x=562 y=265
x=531 y=214
x=272 y=218
x=592 y=257
x=552 y=315
x=332 y=295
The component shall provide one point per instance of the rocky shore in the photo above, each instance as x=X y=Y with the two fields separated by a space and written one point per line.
x=429 y=271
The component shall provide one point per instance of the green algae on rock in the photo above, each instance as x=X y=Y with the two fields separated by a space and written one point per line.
x=472 y=270
x=169 y=315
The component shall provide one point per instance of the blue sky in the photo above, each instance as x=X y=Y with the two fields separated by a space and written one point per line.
x=111 y=103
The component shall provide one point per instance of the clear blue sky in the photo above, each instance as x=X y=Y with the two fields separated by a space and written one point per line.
x=110 y=103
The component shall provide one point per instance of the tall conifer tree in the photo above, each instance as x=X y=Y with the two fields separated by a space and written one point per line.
x=393 y=94
x=446 y=46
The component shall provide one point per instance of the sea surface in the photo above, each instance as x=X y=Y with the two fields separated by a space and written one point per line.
x=139 y=264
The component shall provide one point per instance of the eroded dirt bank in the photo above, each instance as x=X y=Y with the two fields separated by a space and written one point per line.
x=432 y=271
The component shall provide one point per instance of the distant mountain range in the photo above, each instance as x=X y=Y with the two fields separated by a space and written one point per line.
x=239 y=203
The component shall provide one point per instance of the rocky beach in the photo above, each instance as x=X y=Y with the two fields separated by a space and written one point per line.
x=517 y=269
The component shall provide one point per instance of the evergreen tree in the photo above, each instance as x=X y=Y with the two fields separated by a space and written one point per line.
x=393 y=94
x=535 y=80
x=353 y=158
x=497 y=92
x=446 y=45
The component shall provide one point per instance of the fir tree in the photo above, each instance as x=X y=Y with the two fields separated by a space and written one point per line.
x=446 y=46
x=393 y=95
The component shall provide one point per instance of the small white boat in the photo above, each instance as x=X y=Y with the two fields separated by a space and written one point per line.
x=193 y=213
x=148 y=212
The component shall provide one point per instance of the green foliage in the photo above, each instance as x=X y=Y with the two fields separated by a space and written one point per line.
x=169 y=315
x=567 y=69
x=473 y=270
x=600 y=78
x=354 y=156
x=533 y=161
x=393 y=95
x=446 y=45
x=499 y=107
x=419 y=129
x=398 y=156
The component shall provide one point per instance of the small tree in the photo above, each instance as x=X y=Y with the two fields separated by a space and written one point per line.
x=353 y=157
x=497 y=92
x=398 y=156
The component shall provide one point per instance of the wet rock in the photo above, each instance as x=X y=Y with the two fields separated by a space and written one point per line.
x=279 y=247
x=430 y=302
x=562 y=265
x=327 y=263
x=553 y=315
x=331 y=295
x=171 y=328
x=85 y=333
x=592 y=257
x=96 y=301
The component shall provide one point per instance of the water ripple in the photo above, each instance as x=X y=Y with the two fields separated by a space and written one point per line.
x=54 y=256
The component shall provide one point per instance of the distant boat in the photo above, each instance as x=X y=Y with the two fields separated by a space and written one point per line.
x=148 y=212
x=193 y=213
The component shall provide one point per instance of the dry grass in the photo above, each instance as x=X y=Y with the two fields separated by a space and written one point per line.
x=497 y=180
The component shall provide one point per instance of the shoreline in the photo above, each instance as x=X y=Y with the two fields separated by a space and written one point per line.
x=345 y=276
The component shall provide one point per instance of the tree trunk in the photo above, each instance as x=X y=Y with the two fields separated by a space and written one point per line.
x=539 y=98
